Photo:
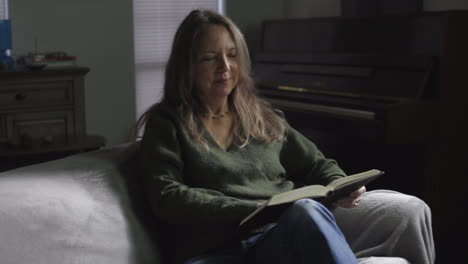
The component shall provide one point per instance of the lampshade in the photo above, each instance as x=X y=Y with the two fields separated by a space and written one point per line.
x=5 y=34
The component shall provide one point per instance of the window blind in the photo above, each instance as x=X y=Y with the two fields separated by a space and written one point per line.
x=3 y=9
x=155 y=23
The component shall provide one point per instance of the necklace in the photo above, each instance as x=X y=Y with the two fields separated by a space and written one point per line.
x=215 y=116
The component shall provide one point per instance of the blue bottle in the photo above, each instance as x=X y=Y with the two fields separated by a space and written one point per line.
x=6 y=61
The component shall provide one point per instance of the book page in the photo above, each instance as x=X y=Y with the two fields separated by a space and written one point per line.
x=312 y=191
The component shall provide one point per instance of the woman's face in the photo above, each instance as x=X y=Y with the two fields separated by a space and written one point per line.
x=216 y=65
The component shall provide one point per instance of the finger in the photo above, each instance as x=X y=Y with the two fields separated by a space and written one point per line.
x=362 y=190
x=358 y=192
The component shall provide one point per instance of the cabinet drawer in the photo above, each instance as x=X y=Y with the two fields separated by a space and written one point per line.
x=36 y=94
x=27 y=129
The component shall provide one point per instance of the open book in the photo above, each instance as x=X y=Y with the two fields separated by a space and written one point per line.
x=270 y=210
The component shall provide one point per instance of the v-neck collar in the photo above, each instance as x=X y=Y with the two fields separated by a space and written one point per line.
x=209 y=137
x=214 y=143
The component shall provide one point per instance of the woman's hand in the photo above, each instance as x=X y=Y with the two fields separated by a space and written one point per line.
x=352 y=200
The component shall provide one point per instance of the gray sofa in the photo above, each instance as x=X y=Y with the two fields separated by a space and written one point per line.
x=87 y=208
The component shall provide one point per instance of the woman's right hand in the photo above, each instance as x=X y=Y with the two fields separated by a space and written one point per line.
x=352 y=200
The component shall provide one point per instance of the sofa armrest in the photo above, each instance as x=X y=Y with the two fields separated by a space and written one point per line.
x=75 y=209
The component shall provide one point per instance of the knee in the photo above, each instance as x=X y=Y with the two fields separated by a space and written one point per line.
x=310 y=209
x=402 y=205
x=415 y=209
x=306 y=205
x=309 y=222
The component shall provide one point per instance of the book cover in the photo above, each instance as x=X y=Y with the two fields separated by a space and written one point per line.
x=270 y=210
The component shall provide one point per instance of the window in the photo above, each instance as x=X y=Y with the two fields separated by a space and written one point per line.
x=3 y=9
x=155 y=23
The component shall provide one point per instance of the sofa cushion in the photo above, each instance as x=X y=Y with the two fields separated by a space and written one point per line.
x=73 y=210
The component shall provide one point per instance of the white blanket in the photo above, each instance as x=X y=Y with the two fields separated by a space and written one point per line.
x=73 y=210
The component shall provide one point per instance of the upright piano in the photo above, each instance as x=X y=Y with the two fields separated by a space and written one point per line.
x=386 y=92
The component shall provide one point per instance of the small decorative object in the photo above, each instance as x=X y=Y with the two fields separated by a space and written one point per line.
x=37 y=60
x=59 y=59
x=6 y=61
x=33 y=60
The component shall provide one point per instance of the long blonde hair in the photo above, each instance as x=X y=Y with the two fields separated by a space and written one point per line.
x=255 y=117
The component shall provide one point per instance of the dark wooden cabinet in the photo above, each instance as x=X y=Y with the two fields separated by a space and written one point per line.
x=42 y=114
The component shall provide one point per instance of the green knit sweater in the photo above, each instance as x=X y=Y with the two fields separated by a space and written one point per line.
x=201 y=194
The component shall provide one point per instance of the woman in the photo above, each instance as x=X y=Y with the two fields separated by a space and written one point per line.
x=212 y=151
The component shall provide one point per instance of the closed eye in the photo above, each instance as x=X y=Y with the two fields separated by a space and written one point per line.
x=207 y=58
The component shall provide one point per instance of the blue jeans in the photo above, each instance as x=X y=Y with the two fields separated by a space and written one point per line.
x=305 y=233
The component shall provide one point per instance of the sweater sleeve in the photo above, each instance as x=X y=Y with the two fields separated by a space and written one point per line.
x=173 y=201
x=305 y=163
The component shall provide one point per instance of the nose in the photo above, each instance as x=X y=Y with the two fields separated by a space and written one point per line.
x=223 y=63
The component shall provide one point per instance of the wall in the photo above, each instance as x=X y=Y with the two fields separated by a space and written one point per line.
x=100 y=34
x=315 y=8
x=249 y=14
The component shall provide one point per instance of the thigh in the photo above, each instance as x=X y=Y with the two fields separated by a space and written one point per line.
x=389 y=223
x=375 y=217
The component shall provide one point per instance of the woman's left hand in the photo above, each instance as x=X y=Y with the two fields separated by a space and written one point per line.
x=352 y=200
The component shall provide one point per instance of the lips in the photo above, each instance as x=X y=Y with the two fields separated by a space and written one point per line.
x=223 y=80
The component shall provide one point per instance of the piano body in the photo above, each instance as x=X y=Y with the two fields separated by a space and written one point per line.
x=384 y=92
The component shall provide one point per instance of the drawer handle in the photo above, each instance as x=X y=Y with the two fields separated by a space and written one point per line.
x=20 y=96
